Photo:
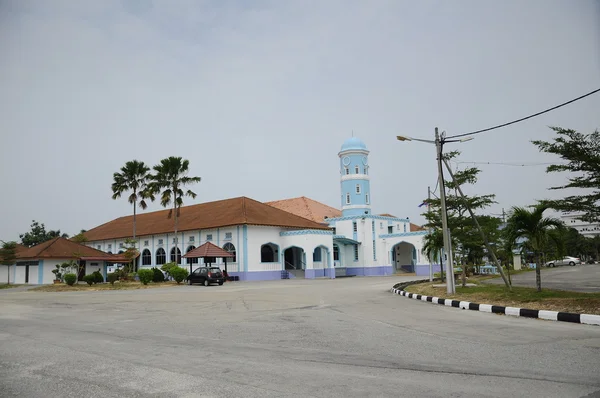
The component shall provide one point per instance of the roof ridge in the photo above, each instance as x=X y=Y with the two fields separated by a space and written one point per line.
x=310 y=213
x=244 y=213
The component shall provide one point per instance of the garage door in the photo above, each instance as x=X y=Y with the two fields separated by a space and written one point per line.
x=26 y=272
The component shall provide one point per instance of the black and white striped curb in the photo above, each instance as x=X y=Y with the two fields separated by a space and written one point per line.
x=497 y=309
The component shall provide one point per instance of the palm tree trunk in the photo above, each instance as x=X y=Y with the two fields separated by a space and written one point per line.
x=441 y=267
x=176 y=220
x=538 y=276
x=134 y=214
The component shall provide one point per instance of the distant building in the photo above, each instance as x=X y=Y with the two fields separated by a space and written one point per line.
x=586 y=229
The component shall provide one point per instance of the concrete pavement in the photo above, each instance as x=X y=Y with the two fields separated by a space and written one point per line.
x=579 y=278
x=322 y=338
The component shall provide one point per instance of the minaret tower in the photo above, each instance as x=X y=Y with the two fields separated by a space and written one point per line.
x=354 y=177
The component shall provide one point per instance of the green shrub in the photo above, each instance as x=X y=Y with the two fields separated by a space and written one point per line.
x=157 y=276
x=145 y=275
x=70 y=279
x=89 y=279
x=112 y=277
x=178 y=273
x=98 y=278
x=167 y=268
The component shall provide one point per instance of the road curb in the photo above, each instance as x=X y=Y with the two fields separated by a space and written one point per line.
x=587 y=319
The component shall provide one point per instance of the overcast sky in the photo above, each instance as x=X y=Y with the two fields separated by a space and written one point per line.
x=260 y=95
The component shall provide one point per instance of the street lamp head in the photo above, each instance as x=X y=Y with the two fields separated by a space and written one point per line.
x=466 y=139
x=403 y=138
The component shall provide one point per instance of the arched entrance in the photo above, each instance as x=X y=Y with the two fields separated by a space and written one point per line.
x=295 y=261
x=404 y=257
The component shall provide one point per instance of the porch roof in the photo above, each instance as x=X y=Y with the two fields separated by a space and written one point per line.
x=208 y=250
x=344 y=241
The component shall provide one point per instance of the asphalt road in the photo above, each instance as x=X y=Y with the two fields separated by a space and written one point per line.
x=292 y=338
x=579 y=278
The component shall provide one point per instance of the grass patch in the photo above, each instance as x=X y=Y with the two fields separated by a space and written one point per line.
x=5 y=286
x=63 y=287
x=522 y=297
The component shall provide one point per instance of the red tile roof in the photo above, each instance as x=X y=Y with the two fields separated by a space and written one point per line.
x=208 y=250
x=18 y=249
x=61 y=248
x=415 y=228
x=222 y=213
x=387 y=215
x=307 y=208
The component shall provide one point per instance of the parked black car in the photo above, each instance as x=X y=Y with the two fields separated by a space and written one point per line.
x=206 y=276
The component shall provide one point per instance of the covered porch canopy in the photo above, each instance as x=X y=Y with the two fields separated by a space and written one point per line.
x=210 y=251
x=340 y=239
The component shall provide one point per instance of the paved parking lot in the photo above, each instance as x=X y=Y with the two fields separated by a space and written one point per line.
x=322 y=338
x=579 y=278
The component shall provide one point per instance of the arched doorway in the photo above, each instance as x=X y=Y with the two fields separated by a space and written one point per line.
x=404 y=257
x=295 y=261
x=320 y=260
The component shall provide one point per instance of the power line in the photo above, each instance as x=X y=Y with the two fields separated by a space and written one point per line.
x=517 y=164
x=527 y=117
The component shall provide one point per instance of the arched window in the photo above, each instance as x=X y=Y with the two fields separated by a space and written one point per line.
x=191 y=260
x=146 y=257
x=356 y=170
x=347 y=198
x=230 y=248
x=161 y=256
x=317 y=255
x=336 y=253
x=267 y=253
x=176 y=255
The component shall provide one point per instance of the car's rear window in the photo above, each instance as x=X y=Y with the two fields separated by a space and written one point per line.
x=215 y=270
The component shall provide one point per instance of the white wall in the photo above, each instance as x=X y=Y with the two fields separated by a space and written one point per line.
x=49 y=265
x=185 y=239
x=4 y=274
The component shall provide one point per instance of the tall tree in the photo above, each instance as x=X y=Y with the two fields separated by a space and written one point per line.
x=464 y=235
x=80 y=237
x=38 y=234
x=133 y=178
x=8 y=256
x=582 y=155
x=535 y=228
x=169 y=180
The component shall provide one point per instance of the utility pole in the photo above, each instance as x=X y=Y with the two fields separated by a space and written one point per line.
x=430 y=264
x=450 y=287
x=486 y=242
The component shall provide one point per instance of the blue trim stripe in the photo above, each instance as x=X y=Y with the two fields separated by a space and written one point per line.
x=245 y=242
x=373 y=216
x=401 y=234
x=306 y=232
x=41 y=272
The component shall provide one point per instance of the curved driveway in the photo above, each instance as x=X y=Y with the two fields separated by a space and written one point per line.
x=322 y=338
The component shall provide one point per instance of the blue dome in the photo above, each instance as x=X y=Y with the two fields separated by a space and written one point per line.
x=353 y=143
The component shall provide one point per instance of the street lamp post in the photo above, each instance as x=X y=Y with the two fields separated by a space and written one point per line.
x=439 y=144
x=450 y=286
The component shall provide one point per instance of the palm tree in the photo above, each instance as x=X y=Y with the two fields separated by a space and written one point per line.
x=171 y=177
x=535 y=228
x=133 y=177
x=433 y=243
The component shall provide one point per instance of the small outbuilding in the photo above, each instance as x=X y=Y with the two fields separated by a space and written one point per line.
x=34 y=265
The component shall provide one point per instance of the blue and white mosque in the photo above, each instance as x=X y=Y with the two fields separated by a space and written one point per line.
x=290 y=238
x=370 y=244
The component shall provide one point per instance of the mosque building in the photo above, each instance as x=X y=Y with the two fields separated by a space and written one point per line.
x=291 y=238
